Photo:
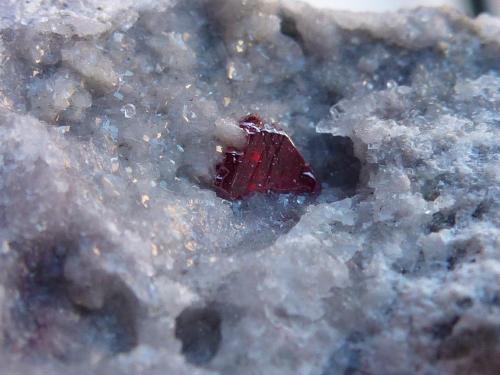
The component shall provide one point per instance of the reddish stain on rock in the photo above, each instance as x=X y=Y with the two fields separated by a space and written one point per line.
x=269 y=162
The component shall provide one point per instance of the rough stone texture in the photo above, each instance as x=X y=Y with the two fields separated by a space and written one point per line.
x=117 y=257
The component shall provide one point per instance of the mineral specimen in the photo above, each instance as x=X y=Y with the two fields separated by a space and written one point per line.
x=268 y=162
x=117 y=256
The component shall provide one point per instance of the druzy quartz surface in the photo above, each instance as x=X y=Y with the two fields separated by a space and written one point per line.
x=118 y=256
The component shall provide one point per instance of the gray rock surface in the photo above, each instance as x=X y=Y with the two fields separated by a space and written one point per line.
x=117 y=257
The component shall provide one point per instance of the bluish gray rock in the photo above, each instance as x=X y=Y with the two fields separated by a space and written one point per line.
x=116 y=255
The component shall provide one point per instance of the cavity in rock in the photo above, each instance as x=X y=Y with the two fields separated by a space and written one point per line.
x=52 y=323
x=333 y=159
x=199 y=330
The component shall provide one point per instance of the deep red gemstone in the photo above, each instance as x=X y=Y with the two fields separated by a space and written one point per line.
x=269 y=162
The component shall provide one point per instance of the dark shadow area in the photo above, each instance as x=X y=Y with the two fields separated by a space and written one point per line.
x=480 y=343
x=333 y=160
x=51 y=322
x=288 y=27
x=478 y=6
x=199 y=330
x=442 y=220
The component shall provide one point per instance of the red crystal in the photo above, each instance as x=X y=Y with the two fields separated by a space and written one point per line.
x=269 y=162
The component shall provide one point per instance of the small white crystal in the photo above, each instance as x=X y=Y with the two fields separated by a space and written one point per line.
x=128 y=110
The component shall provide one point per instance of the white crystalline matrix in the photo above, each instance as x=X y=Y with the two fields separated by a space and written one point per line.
x=118 y=257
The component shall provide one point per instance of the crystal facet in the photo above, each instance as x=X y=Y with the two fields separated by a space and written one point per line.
x=269 y=162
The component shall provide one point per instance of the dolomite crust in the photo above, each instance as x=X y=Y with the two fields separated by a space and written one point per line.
x=118 y=257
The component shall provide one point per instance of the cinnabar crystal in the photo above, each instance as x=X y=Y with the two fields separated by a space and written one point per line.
x=269 y=162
